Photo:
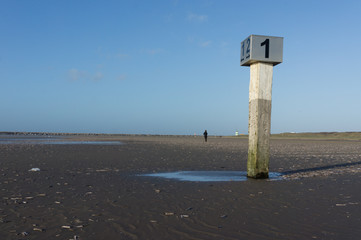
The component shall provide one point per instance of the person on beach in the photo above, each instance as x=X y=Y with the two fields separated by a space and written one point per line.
x=205 y=134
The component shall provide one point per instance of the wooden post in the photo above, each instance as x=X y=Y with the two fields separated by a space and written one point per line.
x=259 y=125
x=261 y=53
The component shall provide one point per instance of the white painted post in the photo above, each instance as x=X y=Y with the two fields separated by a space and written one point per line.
x=261 y=53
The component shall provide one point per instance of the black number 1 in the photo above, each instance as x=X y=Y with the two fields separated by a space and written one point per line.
x=266 y=42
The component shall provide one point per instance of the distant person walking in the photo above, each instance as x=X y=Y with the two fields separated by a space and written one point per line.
x=205 y=134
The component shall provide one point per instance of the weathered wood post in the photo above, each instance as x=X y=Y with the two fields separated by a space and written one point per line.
x=261 y=53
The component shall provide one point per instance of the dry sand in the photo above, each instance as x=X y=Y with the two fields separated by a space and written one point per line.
x=94 y=192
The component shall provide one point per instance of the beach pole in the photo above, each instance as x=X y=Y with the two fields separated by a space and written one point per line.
x=259 y=123
x=261 y=53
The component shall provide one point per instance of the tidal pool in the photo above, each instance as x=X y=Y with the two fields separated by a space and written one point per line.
x=210 y=176
x=84 y=142
x=52 y=140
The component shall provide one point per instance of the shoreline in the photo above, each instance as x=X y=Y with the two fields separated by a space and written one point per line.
x=287 y=136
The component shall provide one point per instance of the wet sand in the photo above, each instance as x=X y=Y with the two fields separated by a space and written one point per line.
x=93 y=191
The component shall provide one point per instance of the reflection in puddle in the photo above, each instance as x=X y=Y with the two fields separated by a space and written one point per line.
x=84 y=142
x=210 y=176
x=54 y=141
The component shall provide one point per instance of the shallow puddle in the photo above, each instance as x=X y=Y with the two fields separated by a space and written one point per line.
x=210 y=176
x=84 y=142
x=56 y=141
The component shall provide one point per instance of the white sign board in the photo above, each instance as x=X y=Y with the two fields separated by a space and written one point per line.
x=257 y=48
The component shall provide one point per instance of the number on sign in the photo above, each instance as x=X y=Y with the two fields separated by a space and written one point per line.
x=266 y=42
x=242 y=55
x=248 y=45
x=245 y=49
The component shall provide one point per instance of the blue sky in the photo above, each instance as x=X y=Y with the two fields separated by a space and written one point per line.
x=172 y=67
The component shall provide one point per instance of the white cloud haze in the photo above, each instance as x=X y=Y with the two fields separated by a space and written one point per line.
x=205 y=44
x=98 y=76
x=75 y=74
x=196 y=18
x=78 y=75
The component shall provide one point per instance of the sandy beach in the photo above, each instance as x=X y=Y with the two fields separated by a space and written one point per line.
x=94 y=191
